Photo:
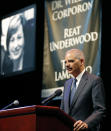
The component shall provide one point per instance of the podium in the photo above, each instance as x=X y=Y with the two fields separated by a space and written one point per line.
x=35 y=118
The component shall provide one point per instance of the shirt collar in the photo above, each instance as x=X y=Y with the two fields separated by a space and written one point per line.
x=80 y=75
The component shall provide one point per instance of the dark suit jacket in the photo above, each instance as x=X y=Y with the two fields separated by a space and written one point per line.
x=88 y=102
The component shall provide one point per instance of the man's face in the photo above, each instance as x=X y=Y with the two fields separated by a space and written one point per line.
x=73 y=65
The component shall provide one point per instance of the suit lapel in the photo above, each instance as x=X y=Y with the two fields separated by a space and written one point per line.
x=79 y=89
x=66 y=95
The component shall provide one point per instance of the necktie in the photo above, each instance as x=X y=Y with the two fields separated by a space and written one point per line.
x=73 y=90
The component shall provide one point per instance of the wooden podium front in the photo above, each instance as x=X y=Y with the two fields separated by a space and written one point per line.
x=35 y=118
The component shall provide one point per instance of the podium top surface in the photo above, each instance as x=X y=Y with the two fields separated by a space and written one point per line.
x=16 y=111
x=39 y=111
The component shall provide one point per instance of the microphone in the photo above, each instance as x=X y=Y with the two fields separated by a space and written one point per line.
x=15 y=102
x=56 y=93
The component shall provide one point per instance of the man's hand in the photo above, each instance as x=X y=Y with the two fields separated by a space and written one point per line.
x=80 y=125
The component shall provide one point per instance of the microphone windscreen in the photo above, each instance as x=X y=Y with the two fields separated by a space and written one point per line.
x=16 y=102
x=58 y=92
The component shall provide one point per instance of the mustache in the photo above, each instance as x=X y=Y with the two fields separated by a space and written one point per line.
x=68 y=68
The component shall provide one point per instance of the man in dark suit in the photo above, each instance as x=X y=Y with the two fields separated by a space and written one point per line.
x=88 y=104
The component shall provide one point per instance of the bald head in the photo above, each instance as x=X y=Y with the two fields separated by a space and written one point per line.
x=77 y=54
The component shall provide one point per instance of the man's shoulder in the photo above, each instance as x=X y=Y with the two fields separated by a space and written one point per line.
x=92 y=76
x=69 y=80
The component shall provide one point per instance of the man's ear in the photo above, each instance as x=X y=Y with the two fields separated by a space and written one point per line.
x=82 y=61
